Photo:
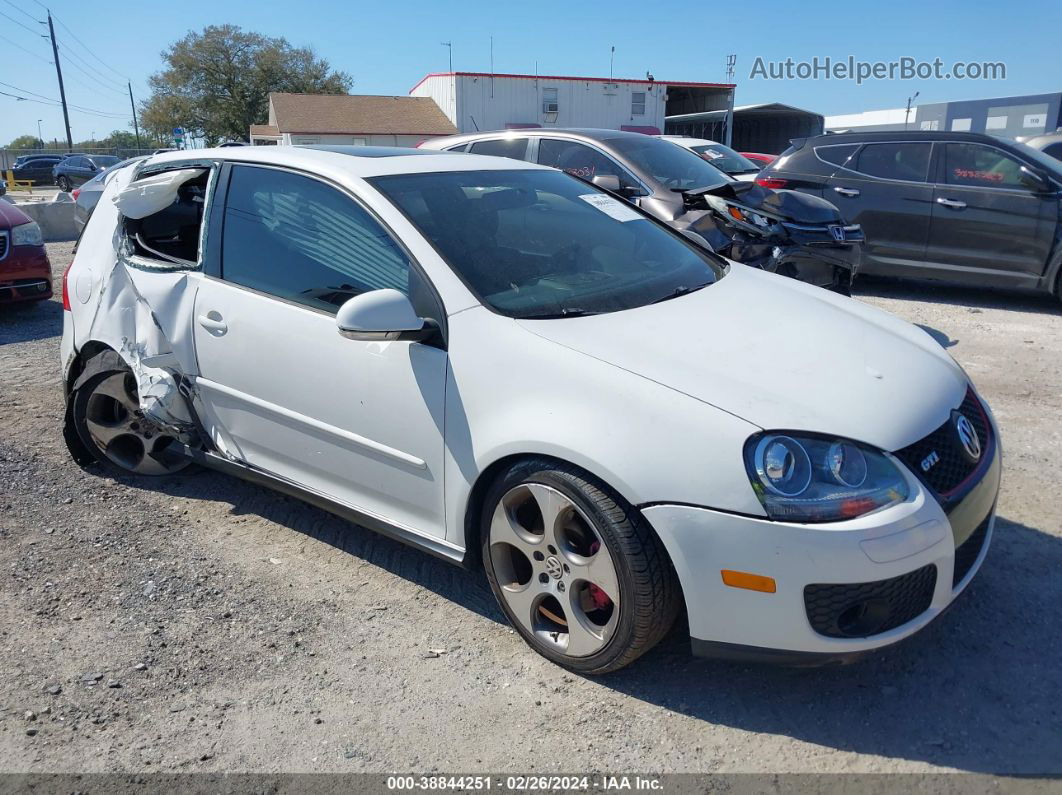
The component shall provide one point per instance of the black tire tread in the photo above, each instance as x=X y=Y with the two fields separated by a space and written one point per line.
x=657 y=595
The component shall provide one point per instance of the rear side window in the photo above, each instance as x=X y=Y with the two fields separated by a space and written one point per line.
x=515 y=148
x=981 y=166
x=904 y=161
x=301 y=240
x=838 y=154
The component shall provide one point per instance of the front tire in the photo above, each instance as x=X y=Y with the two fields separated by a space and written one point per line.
x=577 y=570
x=106 y=414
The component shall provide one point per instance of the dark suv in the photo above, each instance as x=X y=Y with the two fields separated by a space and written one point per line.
x=959 y=207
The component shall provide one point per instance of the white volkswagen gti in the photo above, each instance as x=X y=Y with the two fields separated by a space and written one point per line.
x=506 y=367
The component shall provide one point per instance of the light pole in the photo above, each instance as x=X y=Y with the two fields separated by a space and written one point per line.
x=40 y=139
x=450 y=46
x=907 y=114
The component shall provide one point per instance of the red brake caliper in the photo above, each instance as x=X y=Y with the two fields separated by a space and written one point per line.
x=597 y=597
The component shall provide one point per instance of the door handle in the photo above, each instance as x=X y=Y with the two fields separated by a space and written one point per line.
x=847 y=191
x=955 y=205
x=213 y=322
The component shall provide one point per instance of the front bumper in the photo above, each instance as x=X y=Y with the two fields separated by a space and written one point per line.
x=887 y=549
x=25 y=275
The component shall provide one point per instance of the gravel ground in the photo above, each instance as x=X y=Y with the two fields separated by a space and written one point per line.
x=202 y=624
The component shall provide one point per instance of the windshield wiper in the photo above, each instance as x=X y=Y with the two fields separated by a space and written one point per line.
x=565 y=312
x=680 y=290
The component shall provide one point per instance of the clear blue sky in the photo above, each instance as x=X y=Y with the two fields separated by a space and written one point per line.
x=387 y=47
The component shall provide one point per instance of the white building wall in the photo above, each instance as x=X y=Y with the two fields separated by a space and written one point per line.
x=355 y=140
x=518 y=100
x=441 y=89
x=869 y=118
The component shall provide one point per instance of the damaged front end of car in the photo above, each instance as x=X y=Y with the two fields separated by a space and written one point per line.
x=782 y=231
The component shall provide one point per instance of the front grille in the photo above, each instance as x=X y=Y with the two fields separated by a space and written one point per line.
x=952 y=466
x=859 y=610
x=966 y=553
x=3 y=244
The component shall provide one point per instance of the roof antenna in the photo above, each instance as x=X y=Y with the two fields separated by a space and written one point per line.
x=611 y=59
x=492 y=67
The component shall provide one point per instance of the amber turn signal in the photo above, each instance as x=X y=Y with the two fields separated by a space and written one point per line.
x=751 y=582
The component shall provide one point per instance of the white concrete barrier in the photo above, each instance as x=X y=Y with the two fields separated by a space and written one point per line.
x=56 y=219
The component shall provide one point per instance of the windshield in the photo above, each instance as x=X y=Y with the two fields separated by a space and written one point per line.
x=103 y=161
x=540 y=244
x=670 y=165
x=726 y=159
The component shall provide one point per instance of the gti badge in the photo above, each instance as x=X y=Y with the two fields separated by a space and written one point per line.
x=967 y=436
x=837 y=232
x=930 y=461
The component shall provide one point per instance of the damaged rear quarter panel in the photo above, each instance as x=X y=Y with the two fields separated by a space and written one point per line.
x=139 y=308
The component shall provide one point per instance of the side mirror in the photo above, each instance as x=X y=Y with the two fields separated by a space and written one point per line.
x=1034 y=180
x=382 y=315
x=609 y=182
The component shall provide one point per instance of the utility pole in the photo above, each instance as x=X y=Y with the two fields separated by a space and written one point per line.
x=907 y=114
x=62 y=91
x=132 y=104
x=728 y=134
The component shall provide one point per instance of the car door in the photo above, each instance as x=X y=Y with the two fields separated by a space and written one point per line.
x=987 y=225
x=884 y=187
x=359 y=422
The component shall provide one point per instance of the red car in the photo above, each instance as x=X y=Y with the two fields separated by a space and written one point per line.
x=25 y=272
x=760 y=159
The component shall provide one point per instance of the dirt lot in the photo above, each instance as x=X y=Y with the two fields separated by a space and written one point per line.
x=203 y=624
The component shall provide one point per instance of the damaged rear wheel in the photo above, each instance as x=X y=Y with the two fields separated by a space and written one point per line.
x=108 y=419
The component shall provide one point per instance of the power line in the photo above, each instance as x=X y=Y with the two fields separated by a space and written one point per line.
x=28 y=52
x=21 y=25
x=81 y=108
x=88 y=49
x=95 y=74
x=27 y=13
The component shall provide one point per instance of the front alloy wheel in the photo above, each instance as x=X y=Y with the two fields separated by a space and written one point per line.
x=578 y=572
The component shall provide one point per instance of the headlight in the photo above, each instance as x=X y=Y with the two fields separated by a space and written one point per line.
x=802 y=478
x=27 y=235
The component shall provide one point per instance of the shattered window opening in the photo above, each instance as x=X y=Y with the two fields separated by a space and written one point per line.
x=163 y=217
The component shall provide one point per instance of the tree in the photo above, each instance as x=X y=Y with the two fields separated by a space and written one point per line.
x=25 y=142
x=216 y=83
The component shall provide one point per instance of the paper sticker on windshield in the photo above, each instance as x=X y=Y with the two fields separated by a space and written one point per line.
x=711 y=154
x=611 y=207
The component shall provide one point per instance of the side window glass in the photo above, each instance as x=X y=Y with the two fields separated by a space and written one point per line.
x=838 y=154
x=516 y=148
x=1054 y=150
x=906 y=161
x=304 y=241
x=578 y=159
x=981 y=166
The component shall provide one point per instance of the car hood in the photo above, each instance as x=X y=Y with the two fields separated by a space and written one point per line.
x=782 y=355
x=11 y=216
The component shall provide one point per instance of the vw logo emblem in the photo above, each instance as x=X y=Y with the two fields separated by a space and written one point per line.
x=837 y=232
x=554 y=568
x=968 y=437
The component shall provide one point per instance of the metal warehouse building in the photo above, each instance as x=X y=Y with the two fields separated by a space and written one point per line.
x=475 y=101
x=1010 y=117
x=756 y=128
